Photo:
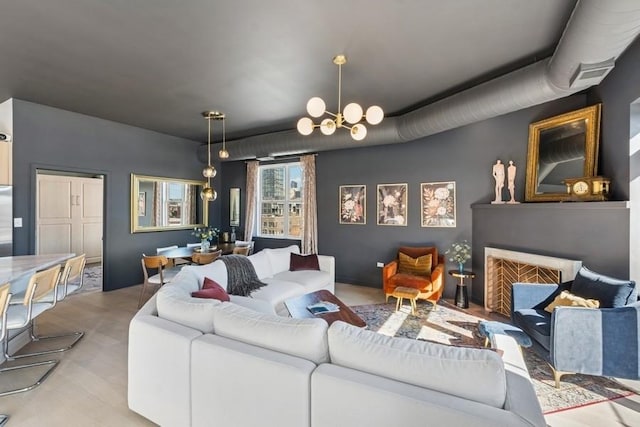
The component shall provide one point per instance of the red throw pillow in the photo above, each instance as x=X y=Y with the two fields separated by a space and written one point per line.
x=211 y=289
x=303 y=262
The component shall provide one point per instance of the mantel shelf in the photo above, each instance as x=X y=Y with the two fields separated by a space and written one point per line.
x=555 y=205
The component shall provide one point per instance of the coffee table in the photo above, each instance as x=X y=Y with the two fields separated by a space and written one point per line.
x=298 y=308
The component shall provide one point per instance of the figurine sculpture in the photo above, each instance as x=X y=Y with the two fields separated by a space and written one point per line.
x=511 y=182
x=498 y=175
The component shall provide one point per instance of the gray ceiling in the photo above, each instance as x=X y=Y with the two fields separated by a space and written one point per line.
x=157 y=64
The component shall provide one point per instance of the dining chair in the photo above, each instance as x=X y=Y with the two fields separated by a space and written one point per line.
x=7 y=319
x=206 y=258
x=36 y=300
x=193 y=245
x=70 y=281
x=242 y=250
x=163 y=276
x=243 y=243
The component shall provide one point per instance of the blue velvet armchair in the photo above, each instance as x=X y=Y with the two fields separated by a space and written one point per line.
x=603 y=341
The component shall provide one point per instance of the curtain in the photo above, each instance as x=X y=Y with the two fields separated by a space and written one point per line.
x=309 y=206
x=157 y=204
x=250 y=212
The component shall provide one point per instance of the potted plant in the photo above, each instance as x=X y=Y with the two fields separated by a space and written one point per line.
x=205 y=234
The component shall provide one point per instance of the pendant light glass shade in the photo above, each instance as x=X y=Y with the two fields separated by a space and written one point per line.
x=359 y=132
x=223 y=154
x=353 y=113
x=374 y=115
x=316 y=107
x=208 y=194
x=209 y=172
x=327 y=127
x=305 y=126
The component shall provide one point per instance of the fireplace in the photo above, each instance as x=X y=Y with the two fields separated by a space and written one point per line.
x=502 y=268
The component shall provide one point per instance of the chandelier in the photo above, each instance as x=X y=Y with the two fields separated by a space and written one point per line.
x=208 y=194
x=352 y=113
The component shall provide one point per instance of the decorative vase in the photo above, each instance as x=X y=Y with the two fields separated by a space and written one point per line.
x=461 y=267
x=204 y=245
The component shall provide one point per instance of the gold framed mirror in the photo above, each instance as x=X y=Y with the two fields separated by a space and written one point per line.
x=162 y=204
x=561 y=147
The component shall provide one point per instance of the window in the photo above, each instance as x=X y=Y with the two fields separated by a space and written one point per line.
x=280 y=201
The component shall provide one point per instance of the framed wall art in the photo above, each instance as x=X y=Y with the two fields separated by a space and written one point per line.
x=392 y=204
x=353 y=204
x=438 y=204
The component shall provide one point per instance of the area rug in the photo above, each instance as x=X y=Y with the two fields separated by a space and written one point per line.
x=92 y=279
x=451 y=325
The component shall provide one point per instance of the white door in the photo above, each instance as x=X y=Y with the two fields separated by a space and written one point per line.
x=69 y=215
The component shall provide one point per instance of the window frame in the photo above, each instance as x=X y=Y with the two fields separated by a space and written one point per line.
x=287 y=201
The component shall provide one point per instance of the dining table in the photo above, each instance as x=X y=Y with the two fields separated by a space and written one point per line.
x=17 y=270
x=186 y=252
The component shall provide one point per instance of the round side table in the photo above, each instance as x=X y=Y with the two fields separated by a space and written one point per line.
x=462 y=298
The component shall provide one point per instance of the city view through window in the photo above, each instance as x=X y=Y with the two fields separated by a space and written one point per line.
x=281 y=200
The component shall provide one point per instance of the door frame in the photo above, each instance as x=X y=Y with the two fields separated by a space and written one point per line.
x=35 y=167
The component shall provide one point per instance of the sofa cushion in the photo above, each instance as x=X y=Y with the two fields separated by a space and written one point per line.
x=261 y=264
x=305 y=338
x=216 y=270
x=280 y=258
x=411 y=281
x=420 y=266
x=303 y=262
x=311 y=280
x=474 y=374
x=211 y=289
x=177 y=305
x=277 y=291
x=566 y=298
x=609 y=291
x=536 y=323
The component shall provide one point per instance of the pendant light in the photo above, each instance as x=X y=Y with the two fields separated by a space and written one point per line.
x=208 y=194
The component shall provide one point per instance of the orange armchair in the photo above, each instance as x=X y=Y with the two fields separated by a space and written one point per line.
x=430 y=286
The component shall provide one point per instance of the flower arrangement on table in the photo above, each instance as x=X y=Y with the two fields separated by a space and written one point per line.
x=459 y=252
x=205 y=234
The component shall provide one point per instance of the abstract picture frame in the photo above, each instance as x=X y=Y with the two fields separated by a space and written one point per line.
x=438 y=204
x=392 y=204
x=352 y=204
x=234 y=207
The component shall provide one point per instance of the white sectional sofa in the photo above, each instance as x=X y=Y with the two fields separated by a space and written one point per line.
x=205 y=363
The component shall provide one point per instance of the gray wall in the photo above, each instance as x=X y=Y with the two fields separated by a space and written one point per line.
x=46 y=137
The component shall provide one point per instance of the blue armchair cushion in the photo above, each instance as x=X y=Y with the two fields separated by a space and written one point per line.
x=609 y=291
x=536 y=323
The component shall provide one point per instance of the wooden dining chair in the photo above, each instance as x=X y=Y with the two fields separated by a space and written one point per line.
x=242 y=250
x=162 y=277
x=206 y=258
x=6 y=319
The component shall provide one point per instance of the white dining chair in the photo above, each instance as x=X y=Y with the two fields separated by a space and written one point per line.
x=193 y=245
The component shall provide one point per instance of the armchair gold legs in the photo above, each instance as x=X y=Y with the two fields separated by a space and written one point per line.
x=557 y=375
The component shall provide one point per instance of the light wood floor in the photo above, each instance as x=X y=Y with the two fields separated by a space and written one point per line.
x=89 y=387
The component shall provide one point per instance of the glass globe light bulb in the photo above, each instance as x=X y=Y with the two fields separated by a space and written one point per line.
x=209 y=172
x=207 y=193
x=327 y=127
x=305 y=126
x=353 y=113
x=316 y=107
x=359 y=132
x=223 y=154
x=374 y=115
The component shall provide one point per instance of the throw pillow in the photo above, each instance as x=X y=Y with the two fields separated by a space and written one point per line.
x=420 y=266
x=609 y=291
x=566 y=298
x=303 y=262
x=211 y=289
